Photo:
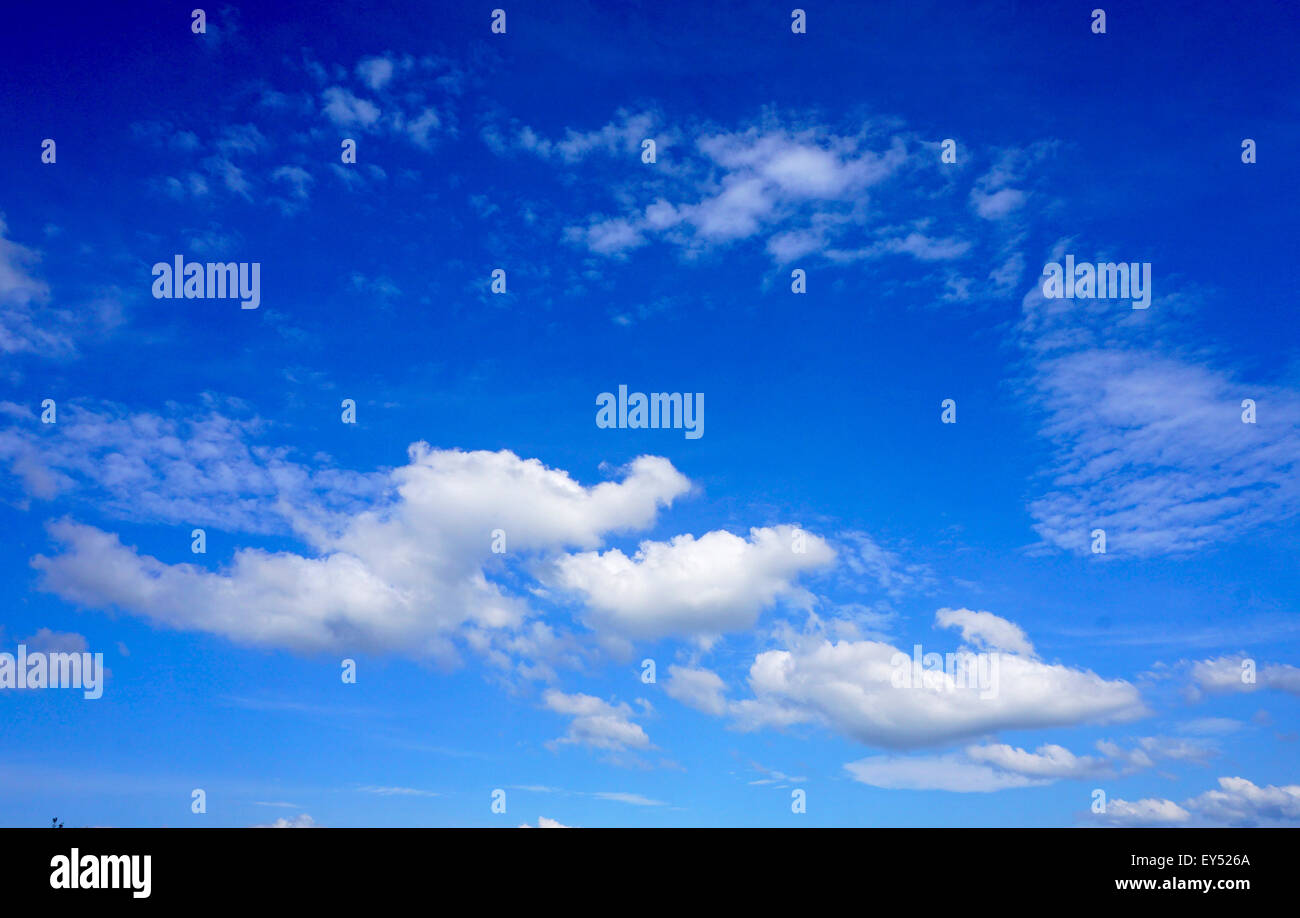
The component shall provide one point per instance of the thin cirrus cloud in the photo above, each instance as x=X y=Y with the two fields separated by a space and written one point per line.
x=1148 y=443
x=948 y=773
x=29 y=324
x=198 y=466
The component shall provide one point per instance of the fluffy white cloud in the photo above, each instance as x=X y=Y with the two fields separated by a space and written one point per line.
x=408 y=575
x=984 y=629
x=703 y=587
x=597 y=723
x=697 y=688
x=998 y=204
x=1048 y=761
x=1150 y=811
x=1229 y=674
x=1240 y=802
x=1236 y=802
x=854 y=687
x=375 y=72
x=347 y=110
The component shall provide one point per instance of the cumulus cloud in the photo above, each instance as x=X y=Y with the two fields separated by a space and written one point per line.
x=697 y=688
x=375 y=72
x=853 y=687
x=1236 y=802
x=347 y=110
x=1048 y=761
x=1240 y=802
x=984 y=629
x=1243 y=674
x=407 y=574
x=702 y=587
x=597 y=723
x=1150 y=811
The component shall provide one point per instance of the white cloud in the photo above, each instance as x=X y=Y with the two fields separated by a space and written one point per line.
x=608 y=237
x=621 y=136
x=1240 y=802
x=375 y=72
x=621 y=797
x=47 y=641
x=301 y=821
x=346 y=110
x=849 y=686
x=1048 y=761
x=28 y=323
x=1150 y=811
x=597 y=723
x=1228 y=674
x=865 y=556
x=407 y=574
x=998 y=204
x=544 y=822
x=191 y=466
x=980 y=769
x=697 y=688
x=984 y=629
x=1148 y=443
x=944 y=772
x=298 y=179
x=397 y=791
x=1236 y=802
x=1130 y=759
x=687 y=586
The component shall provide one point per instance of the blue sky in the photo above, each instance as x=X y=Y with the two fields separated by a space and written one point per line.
x=522 y=671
